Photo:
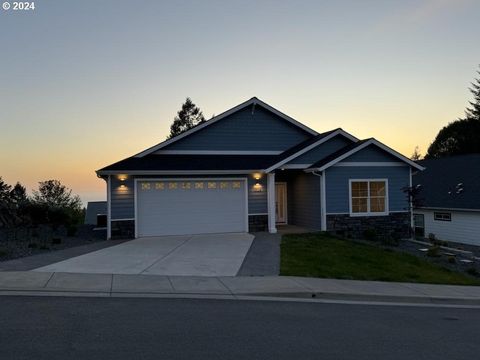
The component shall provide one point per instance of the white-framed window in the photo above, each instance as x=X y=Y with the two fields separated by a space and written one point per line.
x=368 y=197
x=442 y=216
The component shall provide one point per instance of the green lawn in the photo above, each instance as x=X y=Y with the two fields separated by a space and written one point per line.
x=321 y=255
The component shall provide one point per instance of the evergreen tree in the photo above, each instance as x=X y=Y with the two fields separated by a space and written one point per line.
x=188 y=117
x=18 y=195
x=474 y=110
x=461 y=136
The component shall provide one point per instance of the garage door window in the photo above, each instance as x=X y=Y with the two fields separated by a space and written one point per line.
x=190 y=185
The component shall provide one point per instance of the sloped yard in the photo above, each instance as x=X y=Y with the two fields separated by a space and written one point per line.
x=321 y=255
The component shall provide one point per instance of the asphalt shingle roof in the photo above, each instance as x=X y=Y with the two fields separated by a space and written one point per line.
x=336 y=154
x=193 y=162
x=441 y=178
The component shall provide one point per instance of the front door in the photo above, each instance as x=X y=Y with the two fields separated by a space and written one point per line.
x=281 y=203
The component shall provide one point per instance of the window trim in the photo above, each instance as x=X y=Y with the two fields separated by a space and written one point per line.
x=368 y=213
x=415 y=226
x=441 y=213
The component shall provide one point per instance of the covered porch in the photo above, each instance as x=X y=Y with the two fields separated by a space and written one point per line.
x=294 y=201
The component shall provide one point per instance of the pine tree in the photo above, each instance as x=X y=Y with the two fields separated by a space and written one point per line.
x=474 y=110
x=188 y=117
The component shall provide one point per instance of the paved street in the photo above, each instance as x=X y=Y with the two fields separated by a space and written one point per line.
x=126 y=328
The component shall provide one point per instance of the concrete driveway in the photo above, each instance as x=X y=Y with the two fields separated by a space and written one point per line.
x=189 y=255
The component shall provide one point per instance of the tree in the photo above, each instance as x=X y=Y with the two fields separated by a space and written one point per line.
x=189 y=116
x=18 y=195
x=59 y=205
x=5 y=204
x=4 y=191
x=461 y=136
x=474 y=110
x=416 y=154
x=55 y=195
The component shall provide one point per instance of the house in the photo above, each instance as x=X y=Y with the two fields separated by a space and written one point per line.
x=449 y=199
x=253 y=168
x=96 y=214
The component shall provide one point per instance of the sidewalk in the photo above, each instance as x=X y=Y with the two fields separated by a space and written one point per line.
x=70 y=284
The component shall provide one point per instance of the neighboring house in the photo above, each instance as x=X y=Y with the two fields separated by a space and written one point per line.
x=253 y=168
x=449 y=199
x=96 y=214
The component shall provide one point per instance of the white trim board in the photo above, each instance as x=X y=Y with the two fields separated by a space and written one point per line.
x=445 y=208
x=252 y=101
x=364 y=145
x=312 y=146
x=295 y=166
x=217 y=152
x=177 y=172
x=370 y=163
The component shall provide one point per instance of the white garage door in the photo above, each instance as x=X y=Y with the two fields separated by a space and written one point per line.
x=179 y=207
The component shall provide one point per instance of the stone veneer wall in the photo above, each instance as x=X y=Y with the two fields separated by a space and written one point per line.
x=124 y=229
x=257 y=223
x=395 y=225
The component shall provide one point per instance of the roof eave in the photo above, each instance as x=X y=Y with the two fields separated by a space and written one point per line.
x=177 y=172
x=312 y=146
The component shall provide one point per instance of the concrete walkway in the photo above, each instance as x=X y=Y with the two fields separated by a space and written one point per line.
x=190 y=255
x=68 y=284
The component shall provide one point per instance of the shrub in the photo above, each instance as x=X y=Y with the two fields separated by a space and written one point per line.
x=3 y=251
x=370 y=234
x=434 y=251
x=472 y=271
x=71 y=230
x=56 y=241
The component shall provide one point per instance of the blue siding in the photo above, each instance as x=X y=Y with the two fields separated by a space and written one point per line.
x=337 y=185
x=243 y=131
x=322 y=150
x=257 y=200
x=122 y=201
x=303 y=197
x=372 y=153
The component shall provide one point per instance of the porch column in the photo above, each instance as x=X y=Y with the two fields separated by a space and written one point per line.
x=323 y=202
x=109 y=207
x=271 y=202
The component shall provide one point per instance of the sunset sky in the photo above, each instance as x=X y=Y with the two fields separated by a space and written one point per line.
x=86 y=83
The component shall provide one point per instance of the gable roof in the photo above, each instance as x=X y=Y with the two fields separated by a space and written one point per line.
x=252 y=101
x=440 y=182
x=349 y=150
x=307 y=145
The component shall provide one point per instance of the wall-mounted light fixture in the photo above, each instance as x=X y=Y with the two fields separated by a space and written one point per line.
x=123 y=186
x=257 y=187
x=122 y=177
x=257 y=176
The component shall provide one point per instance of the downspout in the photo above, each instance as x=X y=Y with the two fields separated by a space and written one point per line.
x=323 y=207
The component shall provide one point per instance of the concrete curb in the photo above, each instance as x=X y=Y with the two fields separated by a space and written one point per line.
x=277 y=288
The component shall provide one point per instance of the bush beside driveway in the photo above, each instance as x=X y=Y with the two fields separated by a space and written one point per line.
x=325 y=256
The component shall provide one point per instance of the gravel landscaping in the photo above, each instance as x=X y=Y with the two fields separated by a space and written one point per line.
x=28 y=242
